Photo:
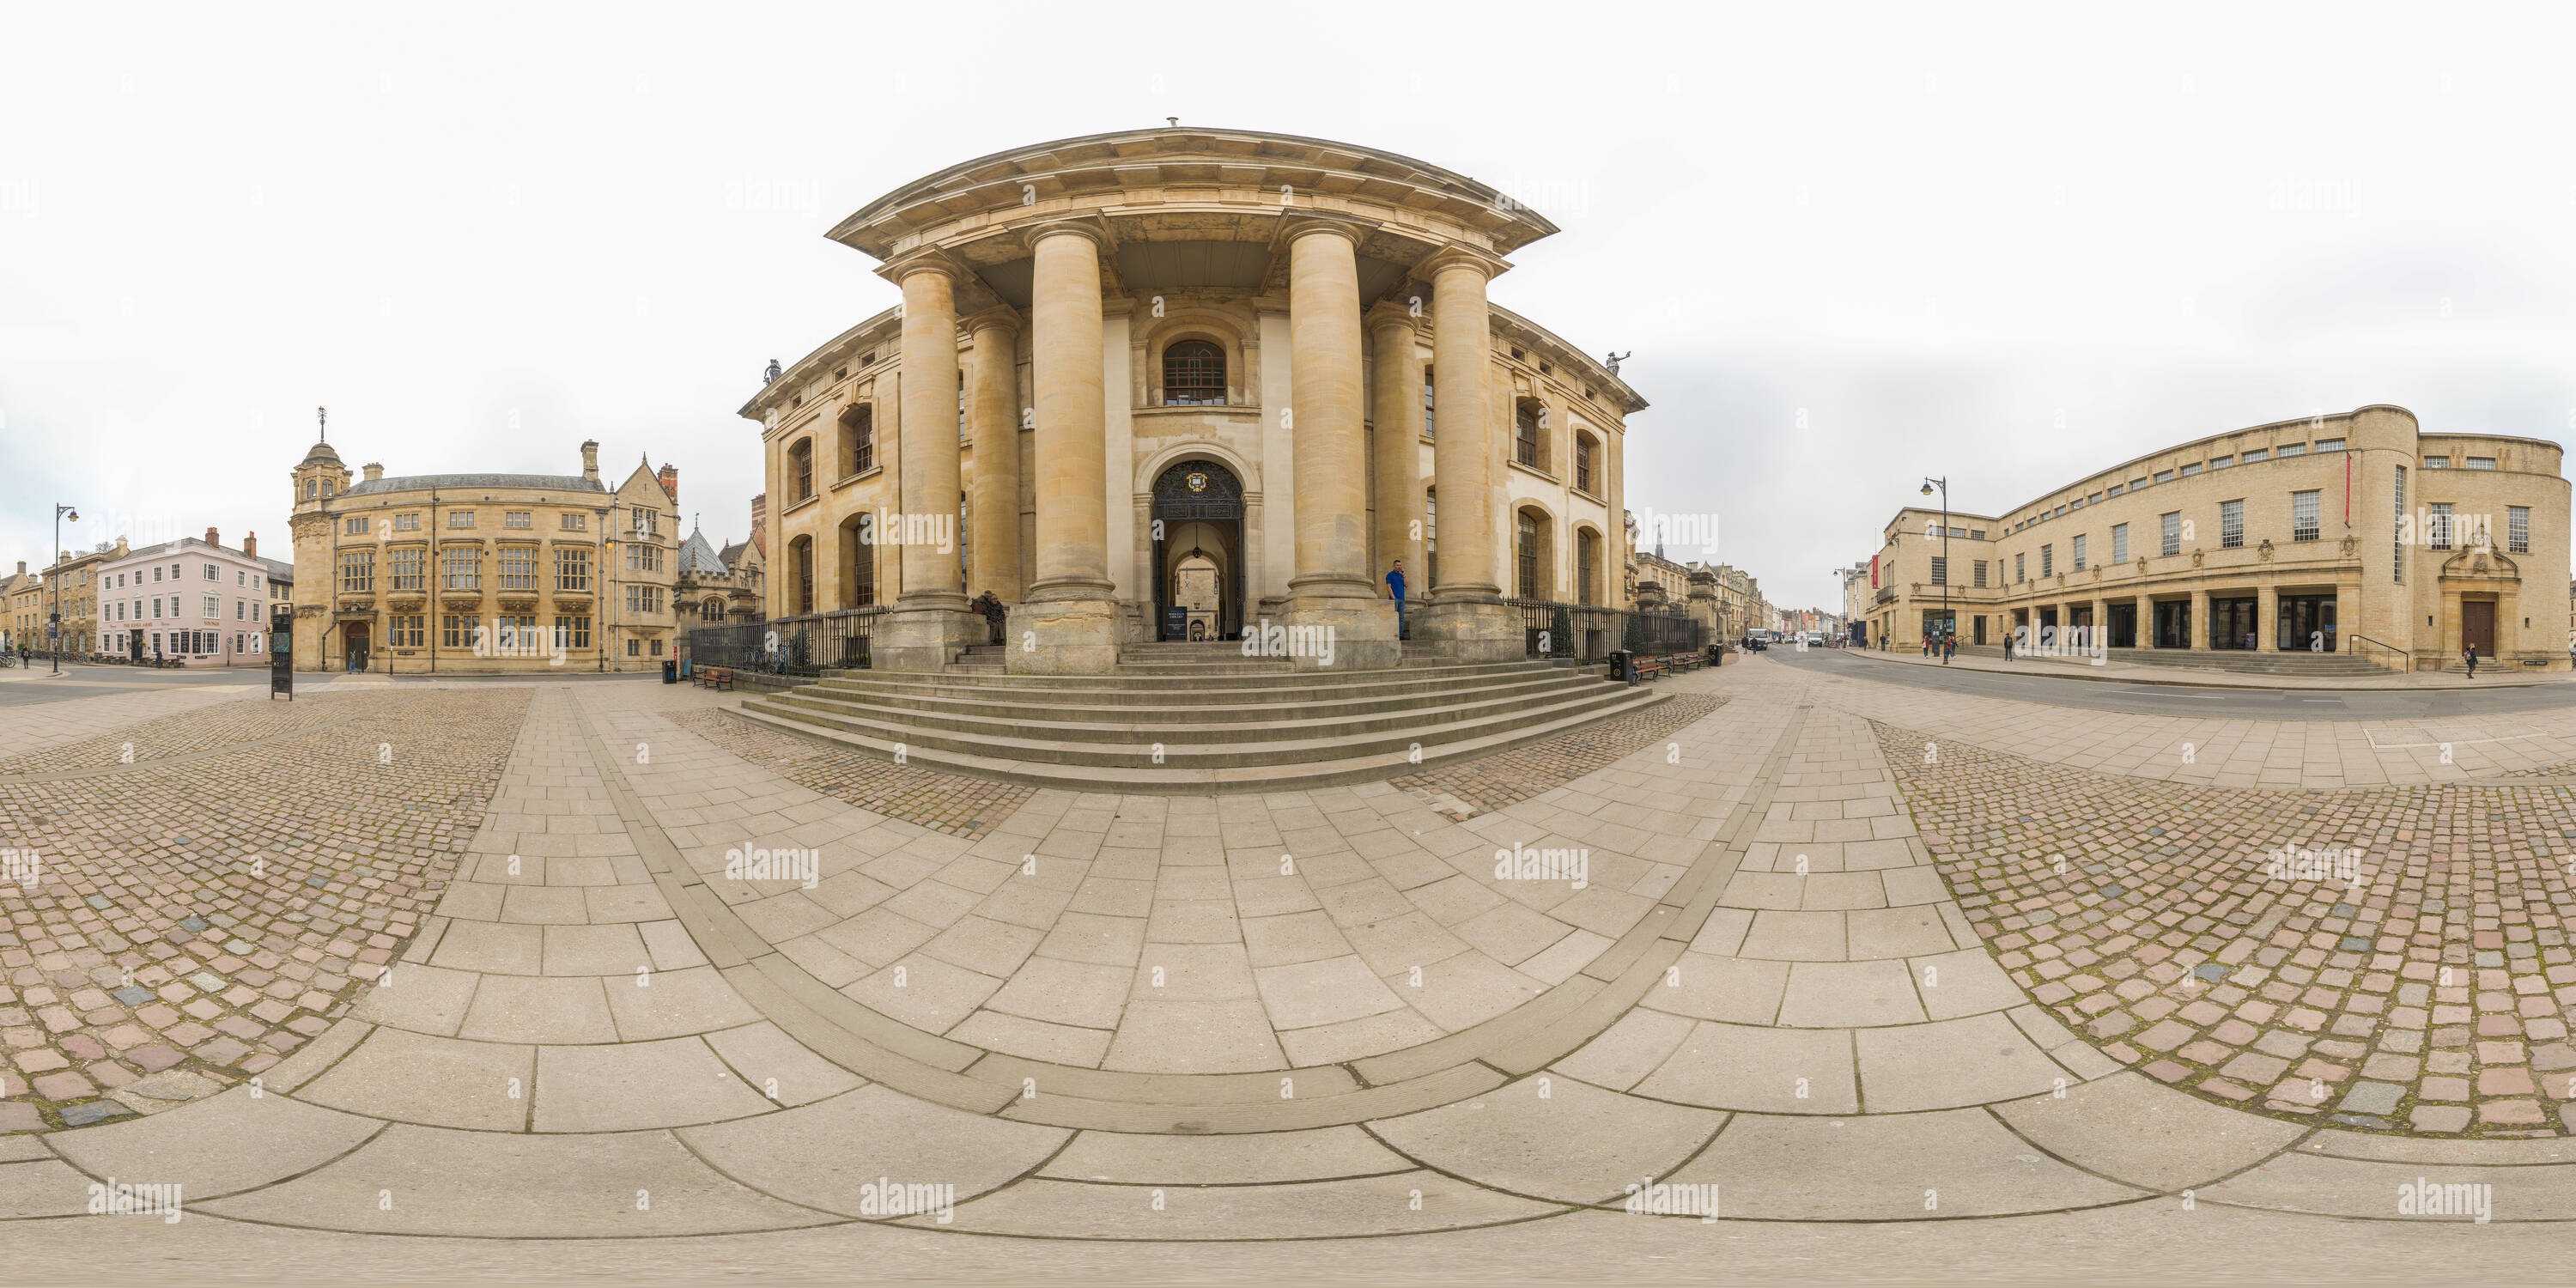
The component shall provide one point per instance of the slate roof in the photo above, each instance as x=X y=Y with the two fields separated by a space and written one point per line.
x=447 y=482
x=699 y=557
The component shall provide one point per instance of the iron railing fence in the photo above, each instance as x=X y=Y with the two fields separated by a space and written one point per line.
x=1590 y=632
x=806 y=645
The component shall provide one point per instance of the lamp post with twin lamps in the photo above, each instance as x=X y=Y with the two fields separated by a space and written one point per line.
x=1949 y=626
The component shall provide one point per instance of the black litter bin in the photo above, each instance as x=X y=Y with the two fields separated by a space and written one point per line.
x=1623 y=666
x=670 y=671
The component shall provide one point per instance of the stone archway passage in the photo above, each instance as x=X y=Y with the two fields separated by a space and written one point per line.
x=1198 y=507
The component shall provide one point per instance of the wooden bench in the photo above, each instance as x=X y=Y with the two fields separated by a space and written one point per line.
x=1651 y=668
x=713 y=677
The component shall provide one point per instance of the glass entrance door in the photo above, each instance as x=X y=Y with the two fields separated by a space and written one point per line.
x=2307 y=624
x=2173 y=623
x=2231 y=623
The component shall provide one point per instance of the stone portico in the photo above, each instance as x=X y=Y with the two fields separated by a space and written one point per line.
x=1270 y=358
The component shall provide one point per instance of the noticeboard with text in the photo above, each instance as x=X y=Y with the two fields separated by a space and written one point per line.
x=281 y=654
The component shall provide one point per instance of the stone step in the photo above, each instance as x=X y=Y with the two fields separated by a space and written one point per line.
x=1427 y=731
x=1165 y=707
x=1198 y=779
x=1303 y=683
x=1265 y=723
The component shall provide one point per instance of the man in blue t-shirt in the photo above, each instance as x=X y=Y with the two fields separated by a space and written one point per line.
x=1395 y=587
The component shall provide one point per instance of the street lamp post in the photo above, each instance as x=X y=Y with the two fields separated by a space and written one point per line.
x=56 y=641
x=1949 y=626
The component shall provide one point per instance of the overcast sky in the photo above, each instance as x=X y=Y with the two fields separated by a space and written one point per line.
x=1848 y=249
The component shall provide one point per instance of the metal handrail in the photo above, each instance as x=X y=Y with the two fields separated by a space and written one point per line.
x=2353 y=644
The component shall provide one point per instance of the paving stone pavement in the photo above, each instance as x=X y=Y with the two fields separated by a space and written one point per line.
x=672 y=992
x=184 y=920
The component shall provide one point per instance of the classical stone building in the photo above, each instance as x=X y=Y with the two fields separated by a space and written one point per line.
x=23 y=594
x=77 y=575
x=2358 y=533
x=465 y=573
x=1136 y=369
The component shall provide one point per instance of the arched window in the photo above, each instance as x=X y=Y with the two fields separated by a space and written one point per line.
x=714 y=611
x=1527 y=547
x=311 y=486
x=1587 y=561
x=1528 y=419
x=800 y=558
x=1194 y=374
x=859 y=438
x=800 y=469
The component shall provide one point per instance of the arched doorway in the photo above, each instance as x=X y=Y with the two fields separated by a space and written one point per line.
x=1198 y=521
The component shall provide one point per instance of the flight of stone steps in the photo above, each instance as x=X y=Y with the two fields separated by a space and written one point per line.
x=1196 y=718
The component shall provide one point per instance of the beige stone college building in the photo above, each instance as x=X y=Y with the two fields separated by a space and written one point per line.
x=1176 y=382
x=481 y=573
x=2360 y=534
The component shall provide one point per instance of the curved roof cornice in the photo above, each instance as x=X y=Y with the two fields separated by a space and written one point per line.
x=1184 y=156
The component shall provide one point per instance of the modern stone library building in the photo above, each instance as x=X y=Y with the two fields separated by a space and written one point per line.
x=2359 y=534
x=1199 y=379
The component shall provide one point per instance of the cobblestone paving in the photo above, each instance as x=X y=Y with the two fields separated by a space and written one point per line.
x=190 y=924
x=2402 y=967
x=226 y=724
x=952 y=804
x=1508 y=778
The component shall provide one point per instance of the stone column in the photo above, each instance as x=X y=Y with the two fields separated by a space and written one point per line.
x=1467 y=618
x=2267 y=624
x=1068 y=625
x=929 y=622
x=1329 y=597
x=993 y=416
x=2100 y=639
x=1395 y=410
x=2197 y=639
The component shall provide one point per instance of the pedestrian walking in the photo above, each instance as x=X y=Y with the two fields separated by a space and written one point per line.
x=2471 y=653
x=1395 y=587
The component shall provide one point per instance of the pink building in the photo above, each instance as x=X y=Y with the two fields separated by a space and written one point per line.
x=190 y=599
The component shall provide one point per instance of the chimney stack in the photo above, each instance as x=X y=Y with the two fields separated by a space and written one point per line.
x=250 y=545
x=590 y=460
x=760 y=523
x=374 y=471
x=22 y=567
x=670 y=477
x=210 y=539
